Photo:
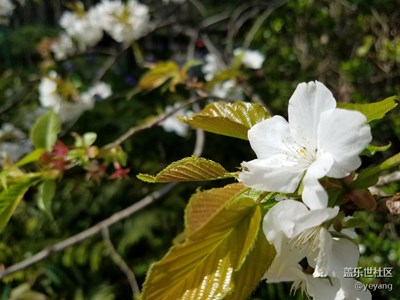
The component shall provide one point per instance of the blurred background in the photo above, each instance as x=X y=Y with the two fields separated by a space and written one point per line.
x=353 y=47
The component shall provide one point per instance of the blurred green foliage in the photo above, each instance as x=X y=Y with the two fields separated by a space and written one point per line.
x=351 y=46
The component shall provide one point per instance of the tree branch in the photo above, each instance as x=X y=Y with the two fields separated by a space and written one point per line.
x=105 y=224
x=92 y=231
x=156 y=121
x=119 y=261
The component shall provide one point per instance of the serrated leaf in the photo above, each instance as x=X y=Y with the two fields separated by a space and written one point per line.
x=46 y=194
x=10 y=198
x=188 y=169
x=160 y=74
x=369 y=176
x=204 y=205
x=257 y=262
x=45 y=130
x=230 y=119
x=373 y=111
x=203 y=267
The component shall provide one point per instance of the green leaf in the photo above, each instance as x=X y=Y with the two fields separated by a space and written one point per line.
x=373 y=111
x=210 y=263
x=188 y=169
x=34 y=156
x=257 y=262
x=45 y=130
x=369 y=176
x=10 y=198
x=371 y=149
x=204 y=205
x=230 y=119
x=160 y=74
x=46 y=194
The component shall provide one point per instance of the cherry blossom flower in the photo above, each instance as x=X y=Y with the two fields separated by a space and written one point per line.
x=48 y=91
x=124 y=22
x=251 y=59
x=83 y=28
x=51 y=97
x=298 y=233
x=6 y=8
x=172 y=124
x=319 y=140
x=63 y=47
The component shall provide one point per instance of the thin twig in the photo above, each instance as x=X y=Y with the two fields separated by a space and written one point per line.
x=260 y=20
x=156 y=121
x=390 y=178
x=96 y=229
x=120 y=262
x=90 y=232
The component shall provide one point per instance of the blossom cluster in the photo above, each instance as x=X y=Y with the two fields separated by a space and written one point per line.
x=125 y=22
x=319 y=140
x=61 y=96
x=214 y=65
x=6 y=8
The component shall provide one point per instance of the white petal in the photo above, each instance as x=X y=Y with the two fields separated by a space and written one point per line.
x=276 y=174
x=324 y=260
x=314 y=194
x=346 y=254
x=283 y=267
x=323 y=288
x=307 y=103
x=290 y=217
x=270 y=137
x=343 y=134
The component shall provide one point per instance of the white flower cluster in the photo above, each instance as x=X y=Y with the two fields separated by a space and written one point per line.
x=6 y=8
x=14 y=143
x=123 y=21
x=251 y=59
x=319 y=140
x=172 y=124
x=50 y=97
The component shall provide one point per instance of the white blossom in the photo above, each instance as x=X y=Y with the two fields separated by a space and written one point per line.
x=49 y=97
x=98 y=91
x=298 y=233
x=172 y=124
x=319 y=140
x=251 y=59
x=63 y=47
x=212 y=66
x=83 y=28
x=124 y=22
x=6 y=8
x=227 y=89
x=48 y=93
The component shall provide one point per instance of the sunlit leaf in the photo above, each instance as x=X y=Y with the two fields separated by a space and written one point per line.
x=160 y=74
x=188 y=169
x=10 y=198
x=204 y=205
x=256 y=264
x=206 y=265
x=46 y=194
x=231 y=119
x=373 y=111
x=45 y=130
x=369 y=176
